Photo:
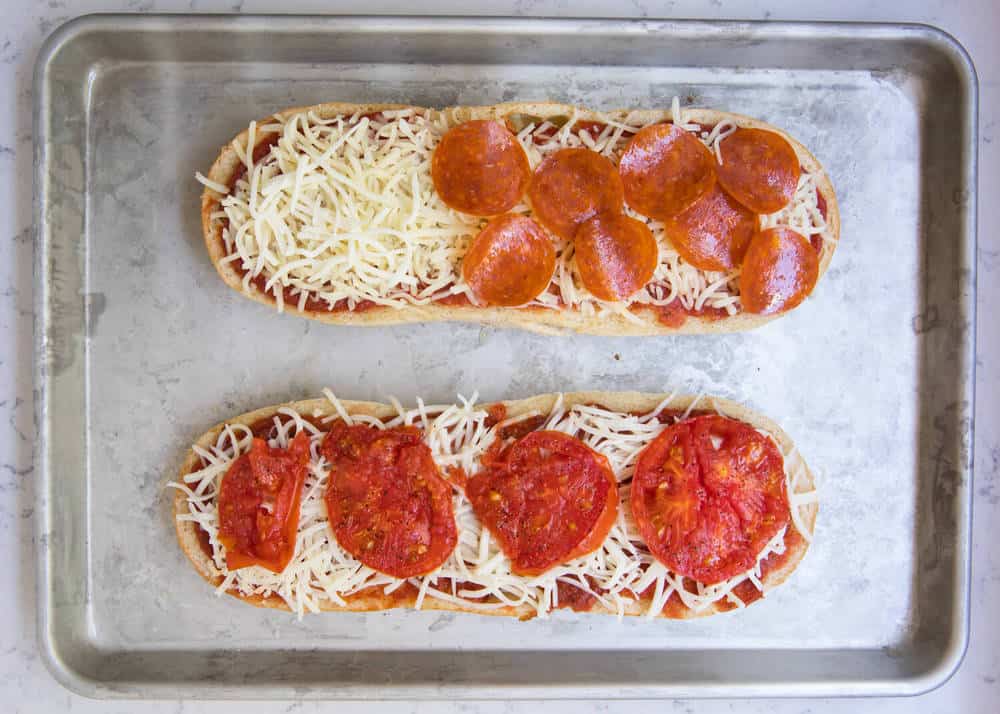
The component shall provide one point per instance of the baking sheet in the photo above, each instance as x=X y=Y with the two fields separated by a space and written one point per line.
x=141 y=348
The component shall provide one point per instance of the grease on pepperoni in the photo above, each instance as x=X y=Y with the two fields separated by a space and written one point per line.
x=780 y=269
x=664 y=170
x=547 y=499
x=572 y=185
x=387 y=503
x=510 y=262
x=707 y=495
x=259 y=500
x=480 y=168
x=759 y=169
x=616 y=256
x=714 y=232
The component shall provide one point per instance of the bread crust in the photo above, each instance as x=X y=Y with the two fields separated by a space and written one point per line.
x=375 y=599
x=533 y=318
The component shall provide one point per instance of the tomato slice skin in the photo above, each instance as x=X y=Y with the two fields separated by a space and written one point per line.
x=707 y=495
x=547 y=499
x=386 y=500
x=259 y=502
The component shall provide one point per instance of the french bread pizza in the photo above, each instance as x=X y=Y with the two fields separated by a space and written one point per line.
x=543 y=216
x=607 y=502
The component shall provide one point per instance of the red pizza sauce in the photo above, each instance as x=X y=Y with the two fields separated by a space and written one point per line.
x=674 y=314
x=817 y=240
x=262 y=149
x=496 y=413
x=454 y=300
x=575 y=598
x=313 y=303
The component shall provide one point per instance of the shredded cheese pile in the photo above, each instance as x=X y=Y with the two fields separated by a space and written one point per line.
x=802 y=214
x=477 y=575
x=344 y=210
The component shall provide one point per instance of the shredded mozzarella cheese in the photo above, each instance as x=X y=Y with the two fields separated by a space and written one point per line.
x=802 y=215
x=344 y=209
x=477 y=574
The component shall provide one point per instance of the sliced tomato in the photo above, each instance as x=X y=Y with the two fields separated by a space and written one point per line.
x=547 y=499
x=387 y=503
x=259 y=501
x=707 y=495
x=602 y=527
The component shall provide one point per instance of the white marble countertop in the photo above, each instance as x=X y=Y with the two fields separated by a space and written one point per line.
x=25 y=685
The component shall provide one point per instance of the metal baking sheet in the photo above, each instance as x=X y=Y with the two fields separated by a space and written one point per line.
x=141 y=347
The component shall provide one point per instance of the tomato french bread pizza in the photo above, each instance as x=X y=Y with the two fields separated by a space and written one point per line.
x=547 y=217
x=613 y=502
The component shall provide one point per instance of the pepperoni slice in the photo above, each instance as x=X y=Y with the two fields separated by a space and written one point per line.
x=510 y=262
x=760 y=169
x=547 y=499
x=480 y=168
x=714 y=232
x=387 y=503
x=780 y=269
x=664 y=170
x=616 y=256
x=572 y=185
x=707 y=495
x=259 y=501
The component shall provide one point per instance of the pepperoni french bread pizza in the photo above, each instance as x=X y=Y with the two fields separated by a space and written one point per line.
x=621 y=503
x=543 y=216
